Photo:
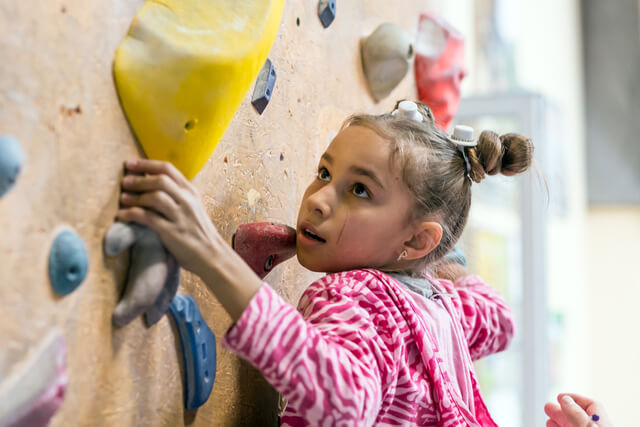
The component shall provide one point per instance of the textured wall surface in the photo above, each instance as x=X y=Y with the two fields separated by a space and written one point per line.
x=58 y=98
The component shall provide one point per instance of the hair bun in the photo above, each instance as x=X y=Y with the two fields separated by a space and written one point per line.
x=517 y=153
x=508 y=154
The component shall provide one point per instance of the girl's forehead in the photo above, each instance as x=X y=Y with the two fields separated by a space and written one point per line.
x=360 y=146
x=360 y=139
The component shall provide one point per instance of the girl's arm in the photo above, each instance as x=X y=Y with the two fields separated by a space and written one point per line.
x=486 y=318
x=328 y=366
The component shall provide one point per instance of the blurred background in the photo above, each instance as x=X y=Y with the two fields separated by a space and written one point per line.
x=566 y=74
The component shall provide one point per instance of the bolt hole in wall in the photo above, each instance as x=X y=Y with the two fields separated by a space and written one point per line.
x=268 y=265
x=72 y=273
x=190 y=124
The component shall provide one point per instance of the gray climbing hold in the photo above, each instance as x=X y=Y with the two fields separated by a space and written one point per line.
x=386 y=56
x=120 y=236
x=11 y=160
x=264 y=86
x=153 y=277
x=68 y=262
x=161 y=305
x=326 y=12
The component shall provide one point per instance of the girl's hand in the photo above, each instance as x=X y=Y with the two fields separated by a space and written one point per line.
x=157 y=195
x=576 y=411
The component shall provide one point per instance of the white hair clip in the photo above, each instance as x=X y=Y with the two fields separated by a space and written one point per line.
x=462 y=137
x=408 y=110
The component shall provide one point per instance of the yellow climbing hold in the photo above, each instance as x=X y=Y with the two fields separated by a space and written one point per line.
x=184 y=69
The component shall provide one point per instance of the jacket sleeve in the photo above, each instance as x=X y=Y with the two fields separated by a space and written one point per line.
x=327 y=364
x=486 y=319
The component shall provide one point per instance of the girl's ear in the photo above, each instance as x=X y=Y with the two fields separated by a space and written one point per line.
x=425 y=239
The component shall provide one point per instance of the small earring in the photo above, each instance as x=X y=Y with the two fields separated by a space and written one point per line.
x=402 y=255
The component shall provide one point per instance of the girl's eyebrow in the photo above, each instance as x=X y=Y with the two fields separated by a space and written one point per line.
x=368 y=173
x=358 y=170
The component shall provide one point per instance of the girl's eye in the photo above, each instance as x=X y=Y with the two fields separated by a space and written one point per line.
x=323 y=174
x=360 y=190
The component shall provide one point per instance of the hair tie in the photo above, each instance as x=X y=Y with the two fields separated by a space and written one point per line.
x=408 y=110
x=462 y=137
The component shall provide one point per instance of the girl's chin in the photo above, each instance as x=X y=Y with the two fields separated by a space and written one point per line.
x=323 y=266
x=314 y=264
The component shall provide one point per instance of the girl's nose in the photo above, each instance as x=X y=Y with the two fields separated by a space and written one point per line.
x=321 y=201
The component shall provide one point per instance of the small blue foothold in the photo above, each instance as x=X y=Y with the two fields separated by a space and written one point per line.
x=326 y=12
x=11 y=159
x=263 y=88
x=199 y=350
x=457 y=255
x=68 y=262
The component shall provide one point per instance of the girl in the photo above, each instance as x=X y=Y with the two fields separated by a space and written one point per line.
x=377 y=341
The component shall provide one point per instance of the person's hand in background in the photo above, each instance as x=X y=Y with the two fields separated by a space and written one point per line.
x=576 y=411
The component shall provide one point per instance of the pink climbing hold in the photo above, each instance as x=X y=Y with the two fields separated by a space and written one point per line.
x=32 y=396
x=439 y=67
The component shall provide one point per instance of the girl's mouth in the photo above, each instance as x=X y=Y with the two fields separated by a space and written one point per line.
x=313 y=236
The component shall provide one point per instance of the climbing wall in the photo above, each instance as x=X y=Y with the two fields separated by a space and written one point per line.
x=58 y=100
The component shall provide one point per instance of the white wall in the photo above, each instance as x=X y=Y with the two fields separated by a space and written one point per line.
x=614 y=283
x=550 y=62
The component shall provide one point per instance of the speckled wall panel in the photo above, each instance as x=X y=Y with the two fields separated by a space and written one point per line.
x=57 y=97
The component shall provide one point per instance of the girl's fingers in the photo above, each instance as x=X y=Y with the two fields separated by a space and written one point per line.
x=156 y=167
x=159 y=201
x=143 y=217
x=151 y=183
x=574 y=413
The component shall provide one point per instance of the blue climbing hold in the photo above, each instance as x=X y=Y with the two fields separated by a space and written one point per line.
x=263 y=89
x=199 y=349
x=68 y=262
x=457 y=255
x=11 y=159
x=326 y=12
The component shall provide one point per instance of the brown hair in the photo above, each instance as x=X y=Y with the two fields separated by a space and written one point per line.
x=435 y=171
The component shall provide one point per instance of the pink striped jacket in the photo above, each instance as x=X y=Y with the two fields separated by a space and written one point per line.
x=363 y=350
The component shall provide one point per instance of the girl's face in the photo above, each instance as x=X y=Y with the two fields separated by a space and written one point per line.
x=355 y=213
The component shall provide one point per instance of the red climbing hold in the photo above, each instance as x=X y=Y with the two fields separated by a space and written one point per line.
x=263 y=245
x=439 y=67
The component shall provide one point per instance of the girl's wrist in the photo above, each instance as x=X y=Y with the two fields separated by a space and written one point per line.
x=213 y=257
x=229 y=278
